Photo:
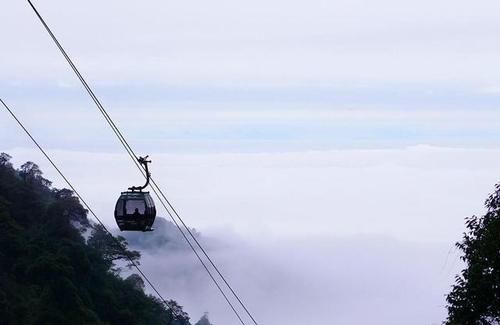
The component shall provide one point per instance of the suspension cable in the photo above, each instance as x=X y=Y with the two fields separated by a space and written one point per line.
x=156 y=188
x=144 y=276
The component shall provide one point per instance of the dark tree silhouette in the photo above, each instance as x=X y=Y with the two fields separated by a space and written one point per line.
x=112 y=248
x=49 y=273
x=475 y=297
x=136 y=281
x=31 y=173
x=5 y=160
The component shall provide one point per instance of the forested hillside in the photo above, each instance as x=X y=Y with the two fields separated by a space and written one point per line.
x=51 y=274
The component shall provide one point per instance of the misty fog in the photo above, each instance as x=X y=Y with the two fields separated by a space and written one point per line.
x=350 y=280
x=337 y=237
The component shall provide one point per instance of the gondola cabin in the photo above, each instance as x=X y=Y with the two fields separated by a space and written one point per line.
x=135 y=211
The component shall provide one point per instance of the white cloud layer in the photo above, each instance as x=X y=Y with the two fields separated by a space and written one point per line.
x=344 y=236
x=419 y=193
x=322 y=280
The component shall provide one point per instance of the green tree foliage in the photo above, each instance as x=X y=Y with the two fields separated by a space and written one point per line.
x=112 y=248
x=475 y=297
x=49 y=273
x=31 y=173
x=5 y=160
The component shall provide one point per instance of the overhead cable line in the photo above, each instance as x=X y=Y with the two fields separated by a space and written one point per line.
x=144 y=276
x=156 y=188
x=132 y=155
x=133 y=263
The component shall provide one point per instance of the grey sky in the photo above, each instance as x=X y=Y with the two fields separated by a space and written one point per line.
x=262 y=42
x=280 y=75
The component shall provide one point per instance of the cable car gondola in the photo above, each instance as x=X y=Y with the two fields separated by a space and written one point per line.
x=135 y=210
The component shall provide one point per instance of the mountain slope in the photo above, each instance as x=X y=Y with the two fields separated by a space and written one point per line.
x=50 y=274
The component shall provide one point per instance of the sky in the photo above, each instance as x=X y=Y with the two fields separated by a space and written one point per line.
x=316 y=127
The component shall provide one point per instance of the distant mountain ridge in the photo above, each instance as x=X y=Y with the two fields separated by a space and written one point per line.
x=166 y=235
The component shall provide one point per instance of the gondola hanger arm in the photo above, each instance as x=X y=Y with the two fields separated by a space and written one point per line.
x=144 y=162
